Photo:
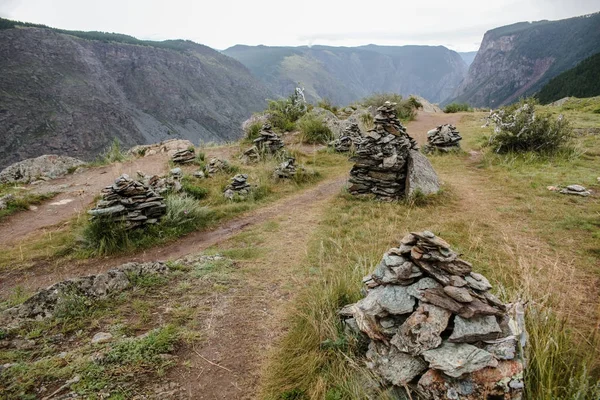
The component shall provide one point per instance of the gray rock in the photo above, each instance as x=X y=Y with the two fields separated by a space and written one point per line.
x=474 y=329
x=415 y=290
x=102 y=337
x=504 y=350
x=459 y=294
x=478 y=281
x=43 y=167
x=458 y=359
x=422 y=330
x=393 y=366
x=420 y=175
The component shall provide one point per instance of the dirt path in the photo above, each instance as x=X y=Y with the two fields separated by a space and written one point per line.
x=77 y=192
x=46 y=275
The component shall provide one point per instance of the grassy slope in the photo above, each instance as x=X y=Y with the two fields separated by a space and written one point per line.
x=532 y=243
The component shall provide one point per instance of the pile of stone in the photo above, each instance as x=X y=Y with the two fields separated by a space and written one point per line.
x=435 y=328
x=444 y=138
x=577 y=190
x=239 y=187
x=129 y=201
x=383 y=160
x=268 y=142
x=184 y=156
x=349 y=138
x=163 y=184
x=286 y=169
x=216 y=166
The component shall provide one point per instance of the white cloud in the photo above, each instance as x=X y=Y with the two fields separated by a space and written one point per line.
x=459 y=24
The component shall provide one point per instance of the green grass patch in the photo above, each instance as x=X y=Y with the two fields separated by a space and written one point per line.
x=23 y=201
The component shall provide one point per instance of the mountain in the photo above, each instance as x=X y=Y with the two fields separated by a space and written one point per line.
x=581 y=81
x=73 y=92
x=346 y=74
x=518 y=60
x=468 y=57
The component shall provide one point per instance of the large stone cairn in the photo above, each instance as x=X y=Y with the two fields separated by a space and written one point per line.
x=238 y=187
x=130 y=201
x=350 y=137
x=381 y=157
x=184 y=156
x=434 y=326
x=286 y=169
x=444 y=138
x=268 y=142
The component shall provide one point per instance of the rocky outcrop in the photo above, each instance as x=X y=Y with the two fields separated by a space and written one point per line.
x=169 y=147
x=518 y=60
x=43 y=167
x=130 y=202
x=70 y=96
x=434 y=327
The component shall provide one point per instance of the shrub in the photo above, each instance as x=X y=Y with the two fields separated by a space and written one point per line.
x=414 y=103
x=326 y=104
x=457 y=107
x=285 y=112
x=194 y=191
x=113 y=153
x=518 y=129
x=314 y=130
x=253 y=131
x=185 y=212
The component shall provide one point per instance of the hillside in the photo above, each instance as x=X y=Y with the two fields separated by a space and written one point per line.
x=62 y=93
x=581 y=81
x=468 y=57
x=347 y=74
x=518 y=60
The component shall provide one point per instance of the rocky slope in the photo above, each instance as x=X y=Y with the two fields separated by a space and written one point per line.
x=347 y=74
x=63 y=94
x=517 y=60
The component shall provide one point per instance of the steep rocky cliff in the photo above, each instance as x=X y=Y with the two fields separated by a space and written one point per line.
x=517 y=60
x=64 y=94
x=347 y=74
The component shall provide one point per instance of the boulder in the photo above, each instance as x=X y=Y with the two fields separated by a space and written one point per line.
x=420 y=175
x=43 y=167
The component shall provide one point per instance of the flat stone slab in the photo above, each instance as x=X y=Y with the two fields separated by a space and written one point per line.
x=394 y=366
x=458 y=359
x=474 y=329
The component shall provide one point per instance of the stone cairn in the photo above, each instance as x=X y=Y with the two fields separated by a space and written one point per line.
x=444 y=138
x=349 y=138
x=216 y=165
x=381 y=157
x=238 y=187
x=286 y=169
x=184 y=156
x=130 y=201
x=435 y=328
x=163 y=184
x=268 y=142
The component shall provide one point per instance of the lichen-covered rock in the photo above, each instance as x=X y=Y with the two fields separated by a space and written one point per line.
x=168 y=147
x=43 y=167
x=420 y=175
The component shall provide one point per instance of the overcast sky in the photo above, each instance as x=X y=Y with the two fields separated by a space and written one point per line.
x=456 y=24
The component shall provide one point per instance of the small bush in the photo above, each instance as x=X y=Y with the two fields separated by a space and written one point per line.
x=103 y=236
x=284 y=113
x=112 y=154
x=185 y=212
x=313 y=130
x=326 y=104
x=519 y=129
x=253 y=131
x=194 y=191
x=457 y=107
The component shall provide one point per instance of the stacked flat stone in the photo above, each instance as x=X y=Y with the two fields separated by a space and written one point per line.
x=577 y=190
x=163 y=184
x=381 y=157
x=184 y=156
x=435 y=328
x=350 y=137
x=129 y=201
x=216 y=165
x=268 y=141
x=286 y=169
x=444 y=138
x=238 y=187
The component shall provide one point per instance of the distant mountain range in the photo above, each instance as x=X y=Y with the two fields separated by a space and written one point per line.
x=468 y=57
x=73 y=92
x=347 y=74
x=518 y=60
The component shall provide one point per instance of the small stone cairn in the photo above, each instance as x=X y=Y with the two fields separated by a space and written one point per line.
x=435 y=328
x=286 y=169
x=184 y=156
x=381 y=157
x=130 y=201
x=444 y=138
x=350 y=137
x=577 y=190
x=267 y=143
x=238 y=187
x=216 y=165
